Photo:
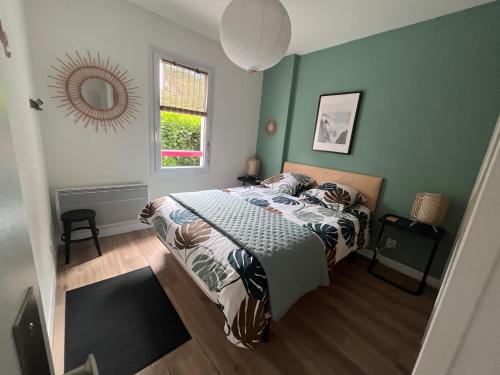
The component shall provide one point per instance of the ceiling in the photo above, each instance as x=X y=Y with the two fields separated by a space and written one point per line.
x=316 y=24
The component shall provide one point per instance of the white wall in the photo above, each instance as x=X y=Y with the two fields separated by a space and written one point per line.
x=480 y=346
x=25 y=130
x=125 y=32
x=464 y=335
x=17 y=270
x=17 y=263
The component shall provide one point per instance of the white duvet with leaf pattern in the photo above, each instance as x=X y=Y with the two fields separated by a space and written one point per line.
x=231 y=276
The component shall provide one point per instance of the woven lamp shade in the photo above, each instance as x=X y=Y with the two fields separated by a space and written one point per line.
x=252 y=167
x=429 y=208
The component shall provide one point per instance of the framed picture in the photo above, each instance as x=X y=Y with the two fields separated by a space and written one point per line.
x=335 y=121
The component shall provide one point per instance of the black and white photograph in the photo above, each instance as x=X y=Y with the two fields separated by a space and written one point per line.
x=335 y=122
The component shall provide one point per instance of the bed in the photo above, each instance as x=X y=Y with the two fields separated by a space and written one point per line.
x=233 y=276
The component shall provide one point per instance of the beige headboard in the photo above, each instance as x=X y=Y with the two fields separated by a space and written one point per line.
x=369 y=186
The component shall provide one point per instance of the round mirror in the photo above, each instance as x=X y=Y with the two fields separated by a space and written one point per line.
x=98 y=93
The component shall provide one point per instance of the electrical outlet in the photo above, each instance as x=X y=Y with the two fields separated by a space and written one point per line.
x=390 y=243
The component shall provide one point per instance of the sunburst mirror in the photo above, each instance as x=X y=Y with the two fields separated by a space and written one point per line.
x=95 y=91
x=271 y=127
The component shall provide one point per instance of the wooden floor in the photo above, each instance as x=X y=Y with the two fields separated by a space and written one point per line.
x=358 y=325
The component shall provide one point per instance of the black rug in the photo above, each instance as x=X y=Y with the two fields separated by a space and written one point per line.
x=127 y=322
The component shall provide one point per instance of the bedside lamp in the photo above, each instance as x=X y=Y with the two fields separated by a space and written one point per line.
x=252 y=167
x=429 y=208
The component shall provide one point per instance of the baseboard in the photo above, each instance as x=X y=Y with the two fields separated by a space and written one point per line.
x=403 y=268
x=110 y=230
x=130 y=226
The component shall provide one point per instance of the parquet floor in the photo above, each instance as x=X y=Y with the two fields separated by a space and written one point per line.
x=358 y=325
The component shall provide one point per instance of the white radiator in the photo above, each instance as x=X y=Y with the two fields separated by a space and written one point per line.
x=116 y=207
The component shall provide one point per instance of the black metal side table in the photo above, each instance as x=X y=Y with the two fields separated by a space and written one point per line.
x=249 y=180
x=418 y=229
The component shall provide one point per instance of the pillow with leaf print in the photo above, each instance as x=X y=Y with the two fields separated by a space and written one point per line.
x=333 y=195
x=288 y=183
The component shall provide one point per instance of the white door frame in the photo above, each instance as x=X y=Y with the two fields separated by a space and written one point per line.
x=476 y=251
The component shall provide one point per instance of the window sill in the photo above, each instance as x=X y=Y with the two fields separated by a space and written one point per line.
x=182 y=170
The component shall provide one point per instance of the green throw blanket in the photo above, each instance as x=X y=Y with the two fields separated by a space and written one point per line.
x=292 y=256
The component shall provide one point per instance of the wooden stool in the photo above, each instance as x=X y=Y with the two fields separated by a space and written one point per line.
x=75 y=216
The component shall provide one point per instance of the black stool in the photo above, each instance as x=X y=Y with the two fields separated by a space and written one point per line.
x=75 y=216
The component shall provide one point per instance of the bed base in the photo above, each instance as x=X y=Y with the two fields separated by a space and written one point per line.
x=265 y=334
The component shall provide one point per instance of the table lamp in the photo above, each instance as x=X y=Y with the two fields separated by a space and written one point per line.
x=252 y=167
x=429 y=208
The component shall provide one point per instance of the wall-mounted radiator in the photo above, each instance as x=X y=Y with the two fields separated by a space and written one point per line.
x=116 y=207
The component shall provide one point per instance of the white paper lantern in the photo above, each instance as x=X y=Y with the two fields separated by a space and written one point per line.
x=255 y=34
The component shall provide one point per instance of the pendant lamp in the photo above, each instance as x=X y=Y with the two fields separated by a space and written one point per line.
x=255 y=34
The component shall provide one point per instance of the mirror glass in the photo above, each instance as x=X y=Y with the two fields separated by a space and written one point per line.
x=98 y=93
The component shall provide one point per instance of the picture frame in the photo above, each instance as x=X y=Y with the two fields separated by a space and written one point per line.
x=335 y=121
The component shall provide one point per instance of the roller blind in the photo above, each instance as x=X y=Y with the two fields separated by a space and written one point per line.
x=183 y=89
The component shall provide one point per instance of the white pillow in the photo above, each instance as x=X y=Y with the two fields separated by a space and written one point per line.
x=333 y=195
x=288 y=183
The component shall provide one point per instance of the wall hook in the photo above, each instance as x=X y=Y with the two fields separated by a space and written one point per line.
x=35 y=104
x=4 y=40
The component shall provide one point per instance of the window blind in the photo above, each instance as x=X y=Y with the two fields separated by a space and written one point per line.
x=183 y=89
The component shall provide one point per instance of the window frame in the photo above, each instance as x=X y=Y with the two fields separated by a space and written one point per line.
x=156 y=168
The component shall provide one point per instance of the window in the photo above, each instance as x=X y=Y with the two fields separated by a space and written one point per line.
x=181 y=118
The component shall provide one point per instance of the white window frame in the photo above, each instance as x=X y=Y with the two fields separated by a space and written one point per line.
x=155 y=117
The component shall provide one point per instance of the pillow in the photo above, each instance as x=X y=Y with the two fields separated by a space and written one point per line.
x=333 y=195
x=288 y=183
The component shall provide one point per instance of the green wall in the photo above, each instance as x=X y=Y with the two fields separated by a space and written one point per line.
x=276 y=103
x=430 y=103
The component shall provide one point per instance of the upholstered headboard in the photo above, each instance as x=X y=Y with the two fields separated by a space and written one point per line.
x=369 y=186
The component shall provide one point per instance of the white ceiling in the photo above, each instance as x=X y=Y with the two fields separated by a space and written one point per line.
x=316 y=24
